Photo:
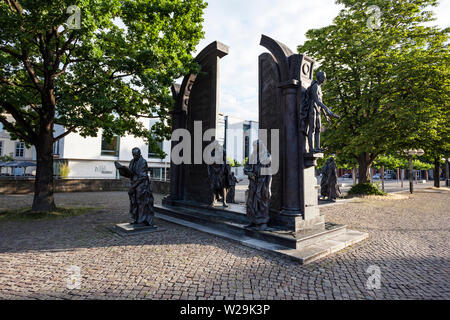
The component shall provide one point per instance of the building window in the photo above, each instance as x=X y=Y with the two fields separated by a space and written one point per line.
x=247 y=147
x=20 y=150
x=156 y=173
x=1 y=147
x=110 y=147
x=56 y=147
x=153 y=153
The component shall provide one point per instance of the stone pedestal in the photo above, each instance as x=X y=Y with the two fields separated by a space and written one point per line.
x=133 y=229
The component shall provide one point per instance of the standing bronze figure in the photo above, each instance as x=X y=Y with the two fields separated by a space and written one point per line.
x=231 y=192
x=259 y=193
x=311 y=107
x=329 y=187
x=140 y=194
x=218 y=180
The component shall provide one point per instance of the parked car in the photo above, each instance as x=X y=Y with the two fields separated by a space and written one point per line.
x=386 y=176
x=347 y=175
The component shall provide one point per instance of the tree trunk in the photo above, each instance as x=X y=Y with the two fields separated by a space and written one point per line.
x=43 y=187
x=437 y=172
x=382 y=178
x=402 y=176
x=364 y=163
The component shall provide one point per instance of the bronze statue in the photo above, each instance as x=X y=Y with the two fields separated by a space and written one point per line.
x=231 y=192
x=310 y=121
x=140 y=193
x=218 y=180
x=259 y=186
x=329 y=187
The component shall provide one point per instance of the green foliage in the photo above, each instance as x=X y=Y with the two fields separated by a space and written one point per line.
x=366 y=189
x=64 y=171
x=419 y=165
x=390 y=162
x=118 y=66
x=233 y=162
x=389 y=85
x=7 y=158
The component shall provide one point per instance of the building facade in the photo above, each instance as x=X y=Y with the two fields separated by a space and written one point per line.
x=237 y=136
x=93 y=157
x=77 y=157
x=18 y=151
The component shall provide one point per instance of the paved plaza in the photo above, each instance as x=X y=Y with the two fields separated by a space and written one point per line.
x=409 y=243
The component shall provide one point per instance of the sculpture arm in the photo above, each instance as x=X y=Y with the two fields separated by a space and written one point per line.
x=321 y=104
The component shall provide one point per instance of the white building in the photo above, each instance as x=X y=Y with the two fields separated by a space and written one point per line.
x=88 y=158
x=93 y=157
x=17 y=150
x=238 y=136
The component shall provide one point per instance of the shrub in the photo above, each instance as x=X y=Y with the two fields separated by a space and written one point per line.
x=64 y=171
x=366 y=189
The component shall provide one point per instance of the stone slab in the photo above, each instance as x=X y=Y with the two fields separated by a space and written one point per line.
x=128 y=229
x=305 y=255
x=235 y=222
x=350 y=237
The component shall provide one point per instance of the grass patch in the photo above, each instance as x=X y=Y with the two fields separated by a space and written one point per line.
x=25 y=214
x=366 y=189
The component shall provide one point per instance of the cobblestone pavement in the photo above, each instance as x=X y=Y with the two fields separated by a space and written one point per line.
x=409 y=242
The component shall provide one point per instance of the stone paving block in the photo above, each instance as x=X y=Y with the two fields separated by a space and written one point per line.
x=408 y=242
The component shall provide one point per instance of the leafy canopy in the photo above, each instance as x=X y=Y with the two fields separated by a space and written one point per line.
x=118 y=66
x=389 y=85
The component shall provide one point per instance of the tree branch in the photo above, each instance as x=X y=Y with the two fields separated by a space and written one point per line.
x=70 y=130
x=9 y=127
x=11 y=52
x=32 y=136
x=27 y=63
x=15 y=84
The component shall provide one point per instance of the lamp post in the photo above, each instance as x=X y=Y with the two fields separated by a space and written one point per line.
x=411 y=153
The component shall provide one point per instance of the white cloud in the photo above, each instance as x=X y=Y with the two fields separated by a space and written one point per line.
x=240 y=23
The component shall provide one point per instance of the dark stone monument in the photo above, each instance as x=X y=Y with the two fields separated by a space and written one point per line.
x=284 y=78
x=329 y=187
x=196 y=100
x=282 y=207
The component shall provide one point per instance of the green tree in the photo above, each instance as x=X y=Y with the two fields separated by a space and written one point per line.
x=385 y=82
x=7 y=157
x=116 y=67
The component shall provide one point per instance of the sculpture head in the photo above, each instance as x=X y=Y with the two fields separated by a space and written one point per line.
x=136 y=153
x=321 y=77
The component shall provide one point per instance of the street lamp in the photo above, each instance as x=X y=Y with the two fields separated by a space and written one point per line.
x=411 y=153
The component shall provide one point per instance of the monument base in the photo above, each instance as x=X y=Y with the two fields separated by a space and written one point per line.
x=297 y=223
x=305 y=246
x=133 y=229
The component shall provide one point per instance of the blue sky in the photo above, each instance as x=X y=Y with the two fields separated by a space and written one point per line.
x=240 y=23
